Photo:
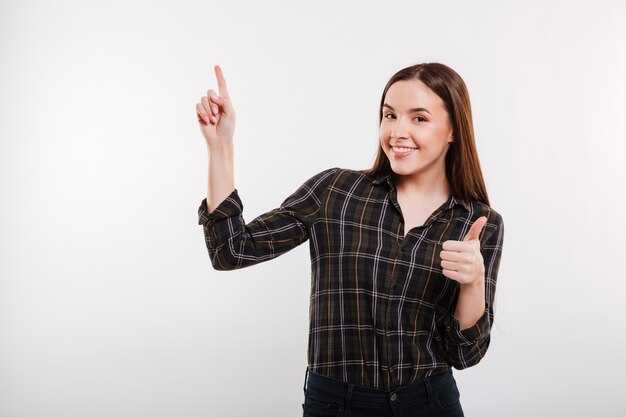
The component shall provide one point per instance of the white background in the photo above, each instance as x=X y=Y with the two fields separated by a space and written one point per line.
x=108 y=303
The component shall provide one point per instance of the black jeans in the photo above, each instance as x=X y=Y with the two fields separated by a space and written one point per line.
x=435 y=396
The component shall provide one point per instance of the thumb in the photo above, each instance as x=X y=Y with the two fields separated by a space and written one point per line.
x=474 y=231
x=224 y=103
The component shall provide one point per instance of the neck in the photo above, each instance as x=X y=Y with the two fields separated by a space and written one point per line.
x=430 y=186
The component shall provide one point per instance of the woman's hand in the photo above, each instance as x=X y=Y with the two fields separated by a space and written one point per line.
x=216 y=114
x=462 y=260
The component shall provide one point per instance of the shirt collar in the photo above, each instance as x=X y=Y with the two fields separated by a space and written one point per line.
x=452 y=201
x=382 y=177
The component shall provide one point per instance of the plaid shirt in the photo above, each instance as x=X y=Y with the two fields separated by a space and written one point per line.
x=381 y=311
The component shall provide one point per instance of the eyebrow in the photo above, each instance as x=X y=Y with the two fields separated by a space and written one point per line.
x=410 y=110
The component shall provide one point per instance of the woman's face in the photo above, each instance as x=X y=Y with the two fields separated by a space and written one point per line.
x=415 y=131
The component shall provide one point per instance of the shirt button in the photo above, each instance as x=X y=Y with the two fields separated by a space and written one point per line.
x=394 y=396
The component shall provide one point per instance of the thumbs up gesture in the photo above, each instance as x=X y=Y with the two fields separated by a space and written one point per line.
x=462 y=260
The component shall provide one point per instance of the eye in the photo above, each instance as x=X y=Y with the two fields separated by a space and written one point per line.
x=418 y=118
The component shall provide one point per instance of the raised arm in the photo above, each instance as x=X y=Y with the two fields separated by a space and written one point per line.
x=230 y=241
x=216 y=117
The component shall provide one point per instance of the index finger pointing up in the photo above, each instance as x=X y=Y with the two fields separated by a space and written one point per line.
x=221 y=82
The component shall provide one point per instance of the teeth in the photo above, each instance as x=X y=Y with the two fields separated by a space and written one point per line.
x=403 y=150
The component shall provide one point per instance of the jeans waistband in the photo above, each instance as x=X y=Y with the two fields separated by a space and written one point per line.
x=419 y=389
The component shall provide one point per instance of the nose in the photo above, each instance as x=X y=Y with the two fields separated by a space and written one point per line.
x=400 y=128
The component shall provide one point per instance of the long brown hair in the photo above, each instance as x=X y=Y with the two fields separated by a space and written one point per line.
x=462 y=166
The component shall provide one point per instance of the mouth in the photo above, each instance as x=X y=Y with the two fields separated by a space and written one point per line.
x=402 y=150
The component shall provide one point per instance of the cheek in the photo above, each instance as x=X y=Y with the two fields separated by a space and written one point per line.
x=383 y=143
x=383 y=134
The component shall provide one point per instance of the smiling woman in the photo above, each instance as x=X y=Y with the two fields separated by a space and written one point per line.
x=404 y=256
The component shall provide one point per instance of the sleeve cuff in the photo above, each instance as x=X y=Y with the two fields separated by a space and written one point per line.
x=472 y=334
x=231 y=206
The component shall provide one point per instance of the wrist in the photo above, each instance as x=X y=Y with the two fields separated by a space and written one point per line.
x=477 y=284
x=221 y=152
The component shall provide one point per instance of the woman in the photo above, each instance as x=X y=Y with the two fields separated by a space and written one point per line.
x=404 y=256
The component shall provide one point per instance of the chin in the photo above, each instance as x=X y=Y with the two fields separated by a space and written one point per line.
x=403 y=170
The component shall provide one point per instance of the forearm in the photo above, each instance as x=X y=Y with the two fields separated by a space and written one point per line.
x=467 y=332
x=471 y=303
x=221 y=177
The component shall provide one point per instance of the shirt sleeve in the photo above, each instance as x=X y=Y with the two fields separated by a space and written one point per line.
x=233 y=244
x=467 y=347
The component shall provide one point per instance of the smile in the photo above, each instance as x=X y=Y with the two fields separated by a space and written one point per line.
x=401 y=150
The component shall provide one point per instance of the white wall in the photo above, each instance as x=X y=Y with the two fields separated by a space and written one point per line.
x=108 y=302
